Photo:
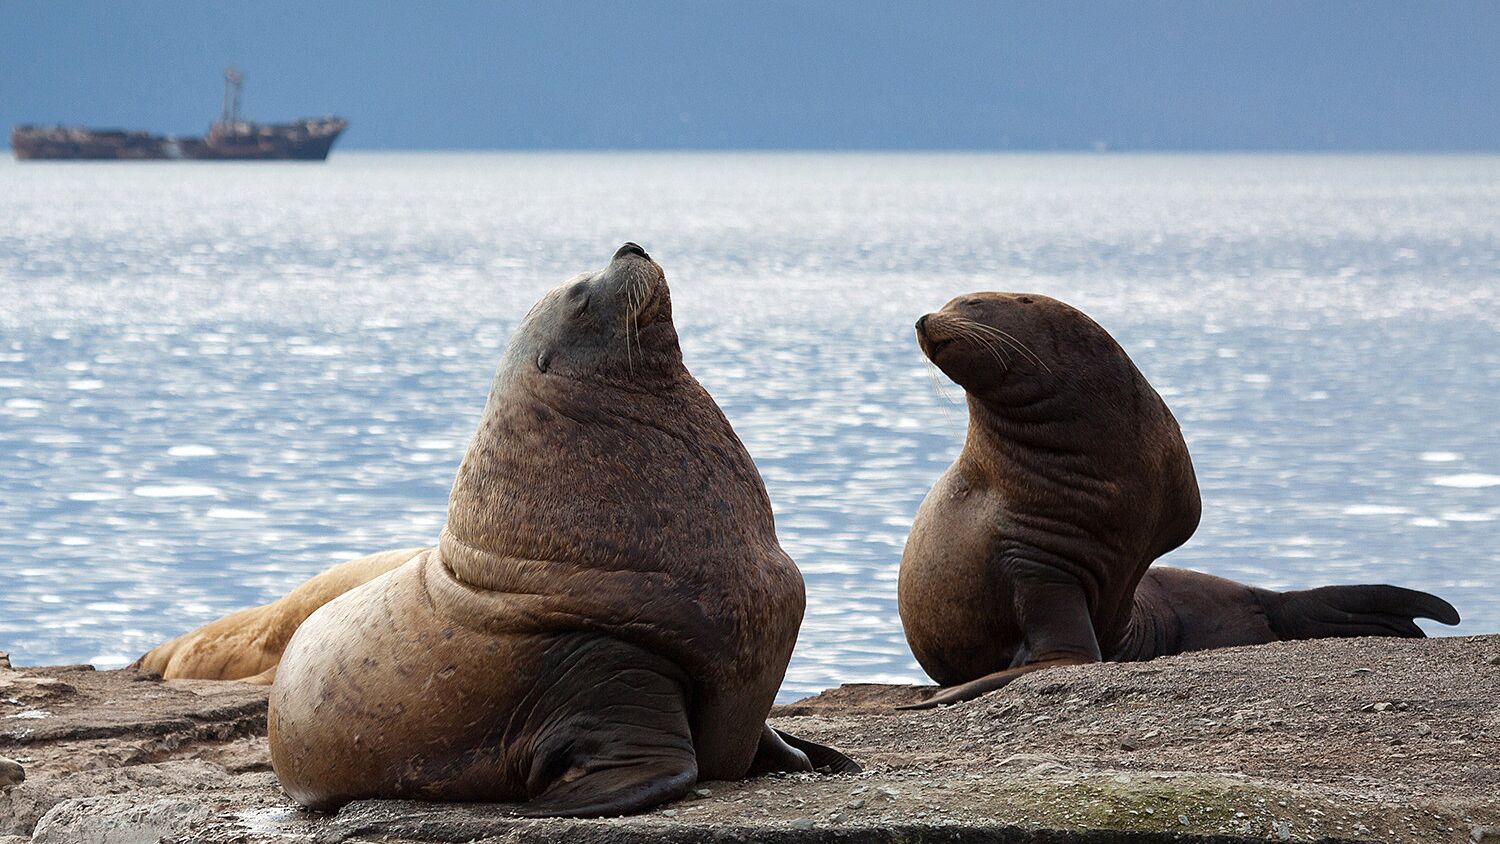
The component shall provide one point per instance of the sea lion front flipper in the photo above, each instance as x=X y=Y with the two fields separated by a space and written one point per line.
x=610 y=745
x=780 y=752
x=989 y=683
x=607 y=791
x=601 y=767
x=1054 y=616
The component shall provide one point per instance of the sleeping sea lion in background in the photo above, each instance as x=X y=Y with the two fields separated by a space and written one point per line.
x=247 y=645
x=1032 y=549
x=607 y=616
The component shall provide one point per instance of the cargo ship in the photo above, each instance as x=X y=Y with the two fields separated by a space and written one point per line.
x=230 y=138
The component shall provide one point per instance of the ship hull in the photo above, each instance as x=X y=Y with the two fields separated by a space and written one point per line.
x=64 y=143
x=304 y=140
x=307 y=140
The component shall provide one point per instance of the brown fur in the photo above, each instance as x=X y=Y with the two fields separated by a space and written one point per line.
x=247 y=645
x=1031 y=549
x=607 y=616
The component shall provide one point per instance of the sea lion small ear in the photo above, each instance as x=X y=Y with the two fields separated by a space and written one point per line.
x=543 y=358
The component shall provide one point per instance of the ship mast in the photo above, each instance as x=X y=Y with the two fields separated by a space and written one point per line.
x=233 y=81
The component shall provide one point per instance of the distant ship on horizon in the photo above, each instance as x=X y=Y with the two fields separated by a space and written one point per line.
x=230 y=138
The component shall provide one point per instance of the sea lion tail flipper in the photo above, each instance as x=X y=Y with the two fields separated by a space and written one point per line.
x=1342 y=611
x=780 y=752
x=1053 y=612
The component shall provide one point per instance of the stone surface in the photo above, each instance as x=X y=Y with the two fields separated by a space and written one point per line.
x=1277 y=742
x=11 y=773
x=110 y=820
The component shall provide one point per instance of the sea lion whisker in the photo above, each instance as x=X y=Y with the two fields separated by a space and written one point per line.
x=638 y=295
x=630 y=308
x=966 y=330
x=642 y=297
x=979 y=340
x=1010 y=341
x=997 y=334
x=937 y=384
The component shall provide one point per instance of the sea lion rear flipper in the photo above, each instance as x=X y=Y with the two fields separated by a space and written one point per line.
x=780 y=752
x=1054 y=616
x=1341 y=611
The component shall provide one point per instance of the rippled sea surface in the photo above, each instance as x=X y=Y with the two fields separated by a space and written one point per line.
x=216 y=380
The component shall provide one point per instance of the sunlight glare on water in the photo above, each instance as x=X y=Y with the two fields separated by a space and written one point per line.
x=216 y=380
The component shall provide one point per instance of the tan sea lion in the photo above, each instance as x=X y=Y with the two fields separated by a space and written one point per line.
x=607 y=616
x=1032 y=549
x=247 y=645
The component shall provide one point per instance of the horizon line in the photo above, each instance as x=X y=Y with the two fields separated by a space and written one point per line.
x=604 y=150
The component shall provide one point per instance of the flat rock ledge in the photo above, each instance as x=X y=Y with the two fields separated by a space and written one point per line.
x=1347 y=740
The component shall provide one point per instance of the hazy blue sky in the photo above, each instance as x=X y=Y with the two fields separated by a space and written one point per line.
x=875 y=75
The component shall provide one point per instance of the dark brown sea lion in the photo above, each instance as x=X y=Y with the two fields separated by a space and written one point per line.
x=607 y=615
x=247 y=645
x=1032 y=549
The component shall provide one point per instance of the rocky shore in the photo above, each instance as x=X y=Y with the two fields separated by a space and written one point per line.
x=1334 y=740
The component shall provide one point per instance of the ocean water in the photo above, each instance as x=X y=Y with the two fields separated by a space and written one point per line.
x=218 y=379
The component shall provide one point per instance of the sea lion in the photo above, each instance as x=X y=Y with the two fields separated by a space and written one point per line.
x=1030 y=551
x=247 y=645
x=607 y=615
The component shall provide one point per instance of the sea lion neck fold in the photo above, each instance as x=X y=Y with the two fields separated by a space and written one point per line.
x=513 y=498
x=1002 y=443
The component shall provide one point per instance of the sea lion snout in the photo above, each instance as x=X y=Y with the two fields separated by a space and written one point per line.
x=637 y=284
x=966 y=339
x=630 y=248
x=934 y=333
x=989 y=340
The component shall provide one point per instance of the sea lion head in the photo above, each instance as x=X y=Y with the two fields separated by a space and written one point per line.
x=597 y=447
x=607 y=326
x=1011 y=349
x=1052 y=394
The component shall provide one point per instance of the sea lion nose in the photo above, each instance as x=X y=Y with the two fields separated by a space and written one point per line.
x=630 y=249
x=921 y=320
